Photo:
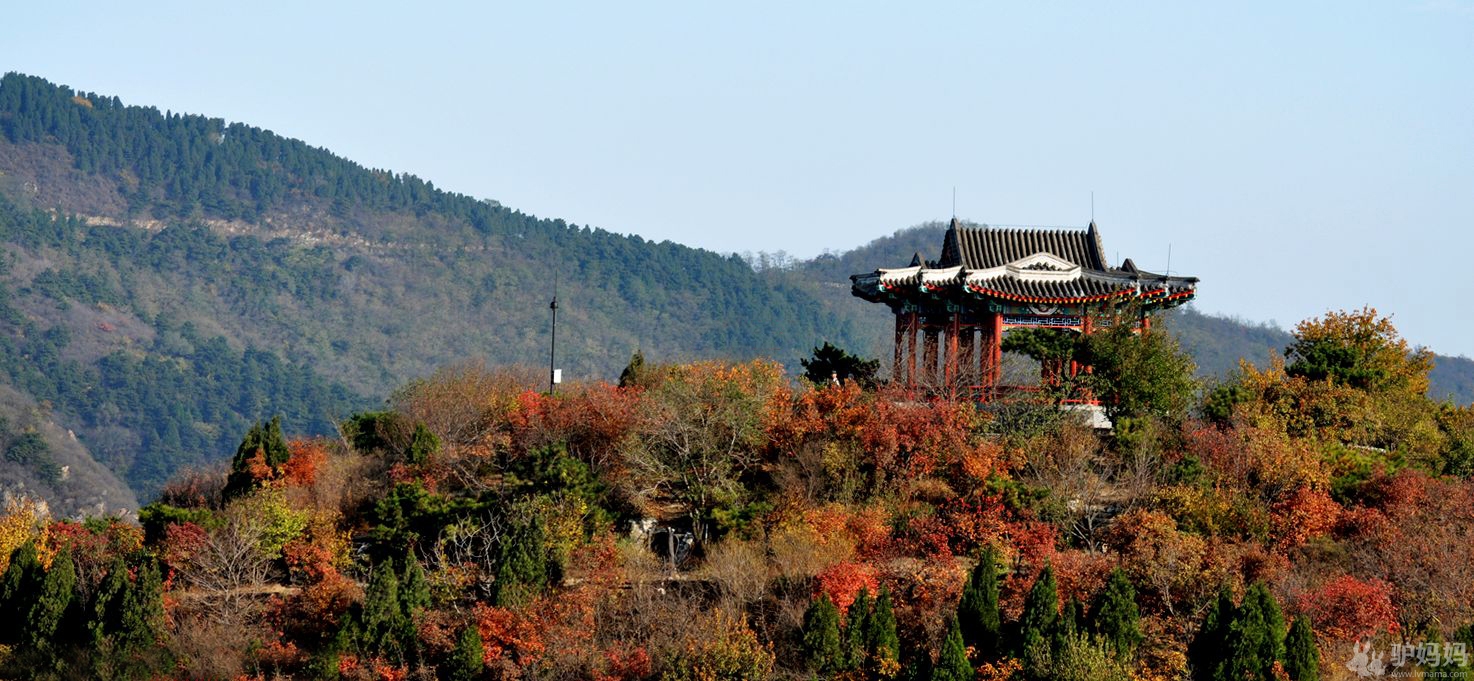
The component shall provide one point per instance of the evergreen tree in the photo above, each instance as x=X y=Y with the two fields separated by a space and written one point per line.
x=857 y=622
x=821 y=644
x=880 y=636
x=380 y=619
x=1256 y=638
x=18 y=590
x=107 y=605
x=952 y=663
x=414 y=598
x=1206 y=652
x=635 y=374
x=522 y=565
x=977 y=612
x=264 y=439
x=466 y=661
x=1302 y=658
x=830 y=362
x=421 y=445
x=1041 y=613
x=1115 y=617
x=52 y=606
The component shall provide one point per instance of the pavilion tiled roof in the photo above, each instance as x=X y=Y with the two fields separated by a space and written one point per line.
x=1024 y=265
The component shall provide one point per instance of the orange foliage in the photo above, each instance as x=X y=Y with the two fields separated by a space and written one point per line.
x=507 y=634
x=304 y=458
x=1308 y=513
x=842 y=583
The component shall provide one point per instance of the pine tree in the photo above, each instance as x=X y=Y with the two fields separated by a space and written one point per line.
x=855 y=626
x=1302 y=658
x=952 y=664
x=1115 y=617
x=881 y=638
x=466 y=661
x=18 y=590
x=107 y=605
x=977 y=612
x=1206 y=652
x=821 y=644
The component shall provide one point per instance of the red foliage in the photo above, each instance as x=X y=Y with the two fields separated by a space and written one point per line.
x=1347 y=608
x=625 y=665
x=507 y=634
x=181 y=542
x=842 y=583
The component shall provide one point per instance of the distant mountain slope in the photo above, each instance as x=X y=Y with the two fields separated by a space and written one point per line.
x=40 y=458
x=170 y=278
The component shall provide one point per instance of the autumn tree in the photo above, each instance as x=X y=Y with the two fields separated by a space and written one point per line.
x=1359 y=349
x=702 y=428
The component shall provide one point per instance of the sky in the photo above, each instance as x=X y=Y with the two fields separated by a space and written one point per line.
x=1298 y=157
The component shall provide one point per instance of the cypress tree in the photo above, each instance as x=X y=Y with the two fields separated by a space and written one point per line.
x=977 y=612
x=881 y=638
x=855 y=626
x=265 y=438
x=1115 y=617
x=52 y=604
x=105 y=618
x=467 y=662
x=1206 y=652
x=1041 y=612
x=380 y=619
x=522 y=566
x=952 y=664
x=1256 y=638
x=414 y=598
x=18 y=590
x=821 y=636
x=1302 y=658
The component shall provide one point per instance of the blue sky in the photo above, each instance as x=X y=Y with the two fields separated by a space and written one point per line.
x=1299 y=157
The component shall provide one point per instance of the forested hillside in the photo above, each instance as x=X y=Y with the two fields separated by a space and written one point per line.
x=712 y=521
x=169 y=278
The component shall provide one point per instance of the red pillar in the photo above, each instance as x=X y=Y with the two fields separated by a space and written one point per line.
x=929 y=356
x=898 y=371
x=911 y=324
x=954 y=329
x=997 y=349
x=967 y=357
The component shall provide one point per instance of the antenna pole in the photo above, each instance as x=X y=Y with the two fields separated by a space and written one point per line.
x=954 y=201
x=1092 y=205
x=1169 y=258
x=553 y=348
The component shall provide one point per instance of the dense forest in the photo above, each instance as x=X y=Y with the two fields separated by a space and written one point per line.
x=715 y=520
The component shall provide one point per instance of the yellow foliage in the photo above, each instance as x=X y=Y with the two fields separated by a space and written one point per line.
x=24 y=520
